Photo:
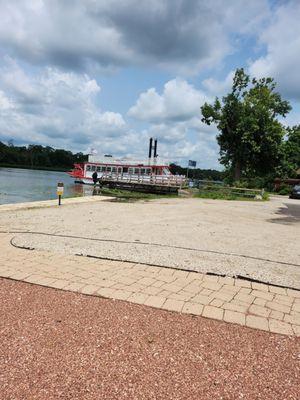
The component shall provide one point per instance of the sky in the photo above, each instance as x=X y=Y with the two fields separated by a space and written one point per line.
x=109 y=74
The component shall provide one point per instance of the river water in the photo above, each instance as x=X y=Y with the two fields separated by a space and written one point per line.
x=22 y=185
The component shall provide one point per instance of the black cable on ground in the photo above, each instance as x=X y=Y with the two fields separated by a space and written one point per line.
x=156 y=245
x=155 y=265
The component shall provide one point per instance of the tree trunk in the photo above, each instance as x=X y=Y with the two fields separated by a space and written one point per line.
x=237 y=171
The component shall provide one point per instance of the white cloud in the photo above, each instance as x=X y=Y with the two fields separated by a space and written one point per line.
x=179 y=101
x=60 y=109
x=182 y=36
x=49 y=95
x=5 y=102
x=217 y=87
x=175 y=119
x=53 y=107
x=282 y=40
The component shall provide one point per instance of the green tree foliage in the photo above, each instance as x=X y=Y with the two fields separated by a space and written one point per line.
x=291 y=153
x=250 y=135
x=35 y=156
x=197 y=173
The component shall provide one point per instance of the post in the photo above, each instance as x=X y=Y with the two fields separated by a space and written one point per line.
x=150 y=148
x=155 y=148
x=60 y=191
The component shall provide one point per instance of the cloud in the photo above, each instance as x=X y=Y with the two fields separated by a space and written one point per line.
x=61 y=109
x=174 y=118
x=5 y=102
x=180 y=101
x=217 y=87
x=53 y=107
x=282 y=41
x=182 y=36
x=179 y=143
x=54 y=53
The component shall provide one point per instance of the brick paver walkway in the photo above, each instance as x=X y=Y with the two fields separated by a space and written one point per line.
x=237 y=301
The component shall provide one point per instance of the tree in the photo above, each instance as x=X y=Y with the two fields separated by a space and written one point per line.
x=36 y=156
x=250 y=135
x=197 y=173
x=291 y=153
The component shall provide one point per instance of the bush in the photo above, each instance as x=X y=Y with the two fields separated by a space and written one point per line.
x=284 y=190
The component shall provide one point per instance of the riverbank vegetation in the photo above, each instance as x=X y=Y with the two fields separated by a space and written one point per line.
x=38 y=157
x=198 y=173
x=220 y=192
x=231 y=193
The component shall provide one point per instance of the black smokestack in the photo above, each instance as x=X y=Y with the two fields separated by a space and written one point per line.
x=155 y=148
x=150 y=147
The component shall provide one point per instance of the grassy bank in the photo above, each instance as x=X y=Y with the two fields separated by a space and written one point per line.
x=222 y=196
x=126 y=195
x=227 y=193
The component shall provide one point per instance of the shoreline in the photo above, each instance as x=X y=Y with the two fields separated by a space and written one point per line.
x=52 y=203
x=38 y=168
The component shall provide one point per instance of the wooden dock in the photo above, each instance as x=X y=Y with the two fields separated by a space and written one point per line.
x=147 y=184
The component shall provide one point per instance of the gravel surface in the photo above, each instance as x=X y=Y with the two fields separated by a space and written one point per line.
x=62 y=345
x=186 y=259
x=255 y=229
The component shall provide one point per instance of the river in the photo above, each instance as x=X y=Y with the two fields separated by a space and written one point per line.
x=22 y=185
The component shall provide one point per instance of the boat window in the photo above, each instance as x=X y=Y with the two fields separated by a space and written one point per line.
x=114 y=169
x=125 y=170
x=136 y=170
x=148 y=171
x=119 y=170
x=143 y=171
x=98 y=169
x=93 y=167
x=88 y=167
x=103 y=168
x=108 y=169
x=130 y=170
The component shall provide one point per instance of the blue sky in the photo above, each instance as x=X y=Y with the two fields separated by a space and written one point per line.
x=108 y=75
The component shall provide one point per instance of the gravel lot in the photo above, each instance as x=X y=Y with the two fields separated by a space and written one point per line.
x=259 y=240
x=62 y=345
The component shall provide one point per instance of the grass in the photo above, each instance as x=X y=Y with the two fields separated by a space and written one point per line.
x=130 y=196
x=227 y=194
x=216 y=193
x=222 y=193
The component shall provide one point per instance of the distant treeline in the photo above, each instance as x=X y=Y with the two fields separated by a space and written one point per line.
x=197 y=173
x=35 y=156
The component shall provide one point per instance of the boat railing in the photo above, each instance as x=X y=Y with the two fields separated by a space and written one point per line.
x=165 y=180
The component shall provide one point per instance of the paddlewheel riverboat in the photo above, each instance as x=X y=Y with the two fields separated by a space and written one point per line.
x=151 y=174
